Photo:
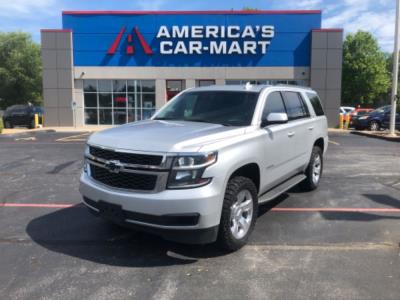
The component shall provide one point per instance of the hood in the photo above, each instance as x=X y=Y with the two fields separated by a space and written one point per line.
x=163 y=136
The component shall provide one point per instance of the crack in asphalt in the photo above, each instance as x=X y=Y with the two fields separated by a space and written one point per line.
x=57 y=169
x=288 y=247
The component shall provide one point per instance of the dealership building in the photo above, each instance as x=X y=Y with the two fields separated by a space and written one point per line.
x=114 y=67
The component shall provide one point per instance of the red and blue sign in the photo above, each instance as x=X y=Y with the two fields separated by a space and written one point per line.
x=192 y=39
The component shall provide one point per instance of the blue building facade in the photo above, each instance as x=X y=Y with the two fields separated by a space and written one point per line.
x=113 y=67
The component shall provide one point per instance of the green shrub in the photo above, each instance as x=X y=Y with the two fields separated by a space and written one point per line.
x=1 y=125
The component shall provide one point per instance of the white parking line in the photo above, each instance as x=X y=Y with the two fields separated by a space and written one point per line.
x=333 y=142
x=74 y=138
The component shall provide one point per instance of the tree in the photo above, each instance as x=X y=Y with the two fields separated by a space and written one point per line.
x=366 y=79
x=20 y=70
x=389 y=64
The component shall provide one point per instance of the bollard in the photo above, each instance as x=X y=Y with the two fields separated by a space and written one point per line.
x=347 y=121
x=36 y=120
x=341 y=121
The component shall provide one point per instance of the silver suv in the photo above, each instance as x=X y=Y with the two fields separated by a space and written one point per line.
x=197 y=171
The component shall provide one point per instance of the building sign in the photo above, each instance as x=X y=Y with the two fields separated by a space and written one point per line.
x=220 y=40
x=192 y=39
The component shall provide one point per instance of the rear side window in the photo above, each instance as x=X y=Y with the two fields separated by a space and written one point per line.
x=274 y=104
x=295 y=106
x=316 y=104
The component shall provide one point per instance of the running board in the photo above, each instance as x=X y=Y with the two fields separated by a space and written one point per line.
x=280 y=189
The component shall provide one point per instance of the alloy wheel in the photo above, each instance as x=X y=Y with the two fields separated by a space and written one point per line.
x=241 y=214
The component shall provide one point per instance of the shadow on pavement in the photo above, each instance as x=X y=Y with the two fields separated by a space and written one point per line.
x=75 y=232
x=384 y=199
x=365 y=216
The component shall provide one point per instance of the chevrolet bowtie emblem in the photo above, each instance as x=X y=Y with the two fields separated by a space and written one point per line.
x=114 y=166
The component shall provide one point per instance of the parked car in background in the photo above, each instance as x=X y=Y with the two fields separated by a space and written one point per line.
x=374 y=120
x=386 y=121
x=359 y=112
x=21 y=115
x=346 y=109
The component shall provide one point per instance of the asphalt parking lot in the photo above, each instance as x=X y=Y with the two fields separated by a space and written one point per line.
x=341 y=241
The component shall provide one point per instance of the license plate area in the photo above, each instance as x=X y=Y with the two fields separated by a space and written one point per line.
x=111 y=211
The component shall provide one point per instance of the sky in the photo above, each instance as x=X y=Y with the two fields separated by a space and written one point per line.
x=376 y=16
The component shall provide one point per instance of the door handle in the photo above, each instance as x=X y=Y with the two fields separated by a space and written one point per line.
x=290 y=134
x=311 y=128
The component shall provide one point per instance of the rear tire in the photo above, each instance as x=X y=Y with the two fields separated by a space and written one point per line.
x=32 y=125
x=313 y=171
x=239 y=213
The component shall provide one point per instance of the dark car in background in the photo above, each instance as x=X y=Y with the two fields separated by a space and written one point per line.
x=375 y=120
x=22 y=115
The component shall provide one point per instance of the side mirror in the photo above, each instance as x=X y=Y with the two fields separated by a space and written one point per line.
x=275 y=118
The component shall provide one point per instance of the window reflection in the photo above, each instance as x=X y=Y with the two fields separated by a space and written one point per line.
x=109 y=102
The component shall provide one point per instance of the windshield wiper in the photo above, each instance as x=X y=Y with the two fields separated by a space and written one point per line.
x=206 y=121
x=165 y=119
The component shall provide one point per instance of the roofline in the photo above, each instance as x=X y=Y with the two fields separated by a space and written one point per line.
x=55 y=30
x=188 y=12
x=328 y=30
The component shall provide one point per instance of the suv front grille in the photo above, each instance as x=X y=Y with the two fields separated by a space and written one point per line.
x=128 y=158
x=124 y=180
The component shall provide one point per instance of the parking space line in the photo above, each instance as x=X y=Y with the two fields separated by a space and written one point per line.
x=37 y=205
x=335 y=209
x=73 y=138
x=275 y=209
x=333 y=142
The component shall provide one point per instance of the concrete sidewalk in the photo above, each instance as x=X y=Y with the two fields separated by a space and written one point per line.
x=93 y=128
x=56 y=129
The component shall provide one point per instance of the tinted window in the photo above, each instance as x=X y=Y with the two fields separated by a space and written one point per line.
x=274 y=104
x=221 y=107
x=316 y=104
x=294 y=106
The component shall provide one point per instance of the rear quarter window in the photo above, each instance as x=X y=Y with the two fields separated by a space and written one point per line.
x=295 y=106
x=316 y=104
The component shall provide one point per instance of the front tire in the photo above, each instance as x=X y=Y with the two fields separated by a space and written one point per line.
x=313 y=171
x=239 y=213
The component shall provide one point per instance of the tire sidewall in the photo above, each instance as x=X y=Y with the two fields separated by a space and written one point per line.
x=225 y=236
x=374 y=122
x=315 y=153
x=308 y=183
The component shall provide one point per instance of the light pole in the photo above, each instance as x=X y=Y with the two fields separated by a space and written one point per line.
x=395 y=70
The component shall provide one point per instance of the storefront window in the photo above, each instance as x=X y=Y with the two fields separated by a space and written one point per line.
x=266 y=81
x=205 y=82
x=110 y=102
x=174 y=87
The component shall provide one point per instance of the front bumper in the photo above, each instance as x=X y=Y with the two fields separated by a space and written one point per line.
x=188 y=215
x=357 y=123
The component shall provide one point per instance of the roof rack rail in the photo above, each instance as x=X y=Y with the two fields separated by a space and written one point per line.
x=293 y=85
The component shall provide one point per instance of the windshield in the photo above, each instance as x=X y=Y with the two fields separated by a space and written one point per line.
x=381 y=110
x=228 y=108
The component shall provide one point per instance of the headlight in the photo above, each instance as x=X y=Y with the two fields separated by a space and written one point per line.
x=87 y=150
x=85 y=164
x=187 y=170
x=363 y=118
